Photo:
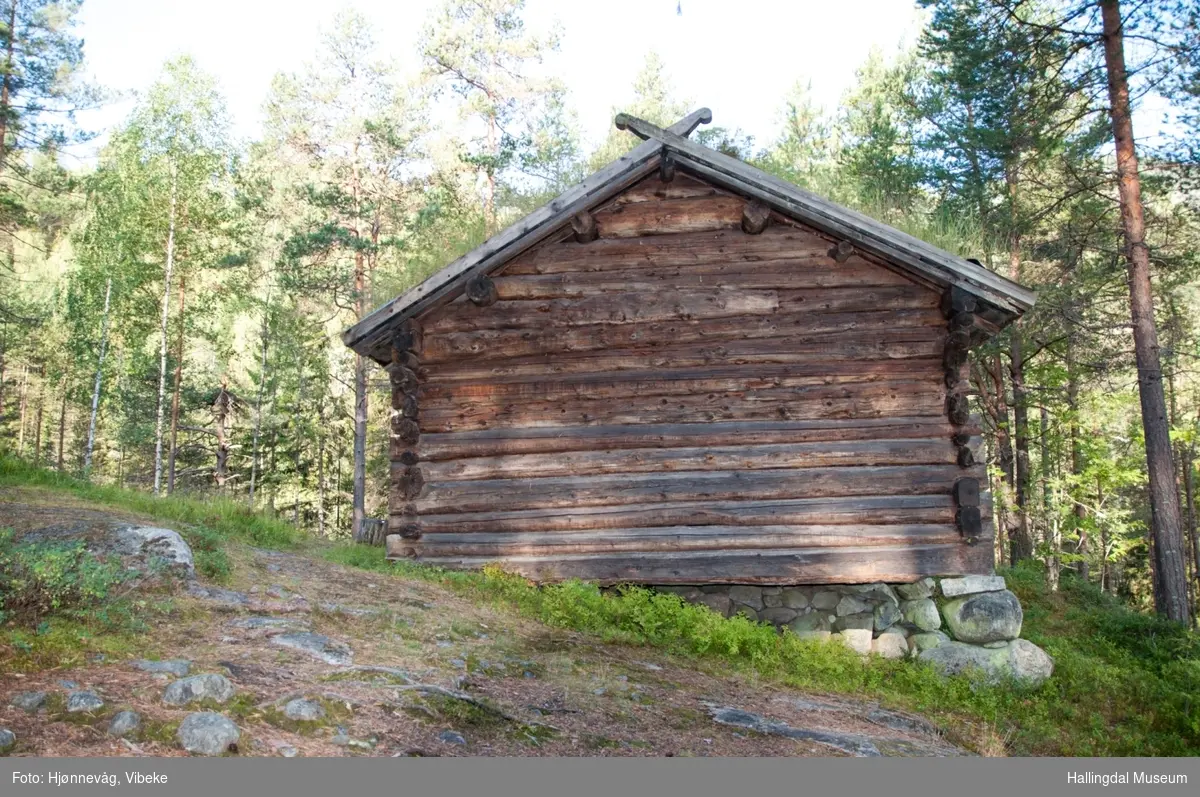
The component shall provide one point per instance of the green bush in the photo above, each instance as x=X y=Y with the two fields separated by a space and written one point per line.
x=39 y=579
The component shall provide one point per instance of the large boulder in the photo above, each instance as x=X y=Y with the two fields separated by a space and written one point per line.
x=207 y=733
x=857 y=639
x=151 y=545
x=984 y=617
x=1019 y=659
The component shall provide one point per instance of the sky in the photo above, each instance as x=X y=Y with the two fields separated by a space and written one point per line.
x=737 y=58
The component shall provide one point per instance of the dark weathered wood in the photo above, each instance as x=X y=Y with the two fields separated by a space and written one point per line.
x=744 y=457
x=872 y=510
x=407 y=482
x=406 y=430
x=957 y=409
x=681 y=538
x=668 y=216
x=669 y=304
x=584 y=226
x=804 y=566
x=638 y=488
x=804 y=327
x=970 y=521
x=481 y=291
x=955 y=300
x=966 y=491
x=755 y=218
x=653 y=188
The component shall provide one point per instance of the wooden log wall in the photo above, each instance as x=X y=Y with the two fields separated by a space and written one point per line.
x=684 y=387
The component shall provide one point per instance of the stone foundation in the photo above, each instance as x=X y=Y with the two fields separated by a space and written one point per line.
x=955 y=624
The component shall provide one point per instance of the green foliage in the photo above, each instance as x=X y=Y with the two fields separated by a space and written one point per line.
x=1124 y=683
x=41 y=579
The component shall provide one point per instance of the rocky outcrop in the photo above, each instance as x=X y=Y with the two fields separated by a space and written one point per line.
x=954 y=624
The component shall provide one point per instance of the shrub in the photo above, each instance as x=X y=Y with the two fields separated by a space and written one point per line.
x=39 y=579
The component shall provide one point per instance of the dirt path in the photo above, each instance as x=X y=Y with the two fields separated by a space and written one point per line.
x=407 y=668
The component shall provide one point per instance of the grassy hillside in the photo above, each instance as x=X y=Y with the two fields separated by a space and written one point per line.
x=1124 y=684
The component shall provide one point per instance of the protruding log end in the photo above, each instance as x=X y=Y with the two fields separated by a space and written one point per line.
x=970 y=521
x=410 y=483
x=407 y=431
x=482 y=291
x=841 y=253
x=966 y=457
x=966 y=492
x=755 y=217
x=404 y=383
x=399 y=548
x=955 y=300
x=958 y=410
x=584 y=225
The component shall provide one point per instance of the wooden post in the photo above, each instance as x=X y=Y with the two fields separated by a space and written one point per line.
x=405 y=372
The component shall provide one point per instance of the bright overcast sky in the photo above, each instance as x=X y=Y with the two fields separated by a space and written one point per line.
x=737 y=58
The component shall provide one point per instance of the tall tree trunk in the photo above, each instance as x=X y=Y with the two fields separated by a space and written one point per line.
x=1164 y=499
x=360 y=380
x=175 y=393
x=62 y=423
x=24 y=402
x=221 y=409
x=321 y=473
x=258 y=404
x=3 y=364
x=6 y=84
x=1079 y=509
x=37 y=433
x=1053 y=538
x=1005 y=461
x=91 y=438
x=168 y=268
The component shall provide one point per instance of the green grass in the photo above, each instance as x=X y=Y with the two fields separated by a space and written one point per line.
x=1125 y=684
x=206 y=523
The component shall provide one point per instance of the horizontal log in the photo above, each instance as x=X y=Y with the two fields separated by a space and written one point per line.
x=671 y=304
x=708 y=458
x=801 y=328
x=692 y=248
x=787 y=276
x=677 y=381
x=770 y=566
x=872 y=510
x=500 y=442
x=917 y=343
x=682 y=538
x=864 y=400
x=669 y=216
x=494 y=495
x=653 y=189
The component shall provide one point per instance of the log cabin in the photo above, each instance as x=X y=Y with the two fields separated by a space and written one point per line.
x=684 y=370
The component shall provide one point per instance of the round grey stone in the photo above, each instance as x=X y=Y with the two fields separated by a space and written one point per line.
x=850 y=604
x=810 y=622
x=772 y=600
x=794 y=598
x=150 y=543
x=924 y=641
x=826 y=599
x=287 y=751
x=1020 y=659
x=303 y=710
x=922 y=613
x=207 y=733
x=887 y=614
x=28 y=701
x=717 y=602
x=8 y=740
x=865 y=620
x=778 y=615
x=984 y=617
x=452 y=737
x=746 y=596
x=209 y=686
x=83 y=700
x=177 y=667
x=917 y=590
x=124 y=722
x=857 y=639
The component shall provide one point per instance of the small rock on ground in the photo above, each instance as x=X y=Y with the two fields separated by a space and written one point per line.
x=83 y=700
x=209 y=686
x=8 y=740
x=207 y=733
x=176 y=667
x=259 y=621
x=318 y=645
x=303 y=710
x=452 y=737
x=28 y=701
x=287 y=751
x=854 y=744
x=124 y=722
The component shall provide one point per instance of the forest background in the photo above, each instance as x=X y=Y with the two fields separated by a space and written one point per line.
x=170 y=311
